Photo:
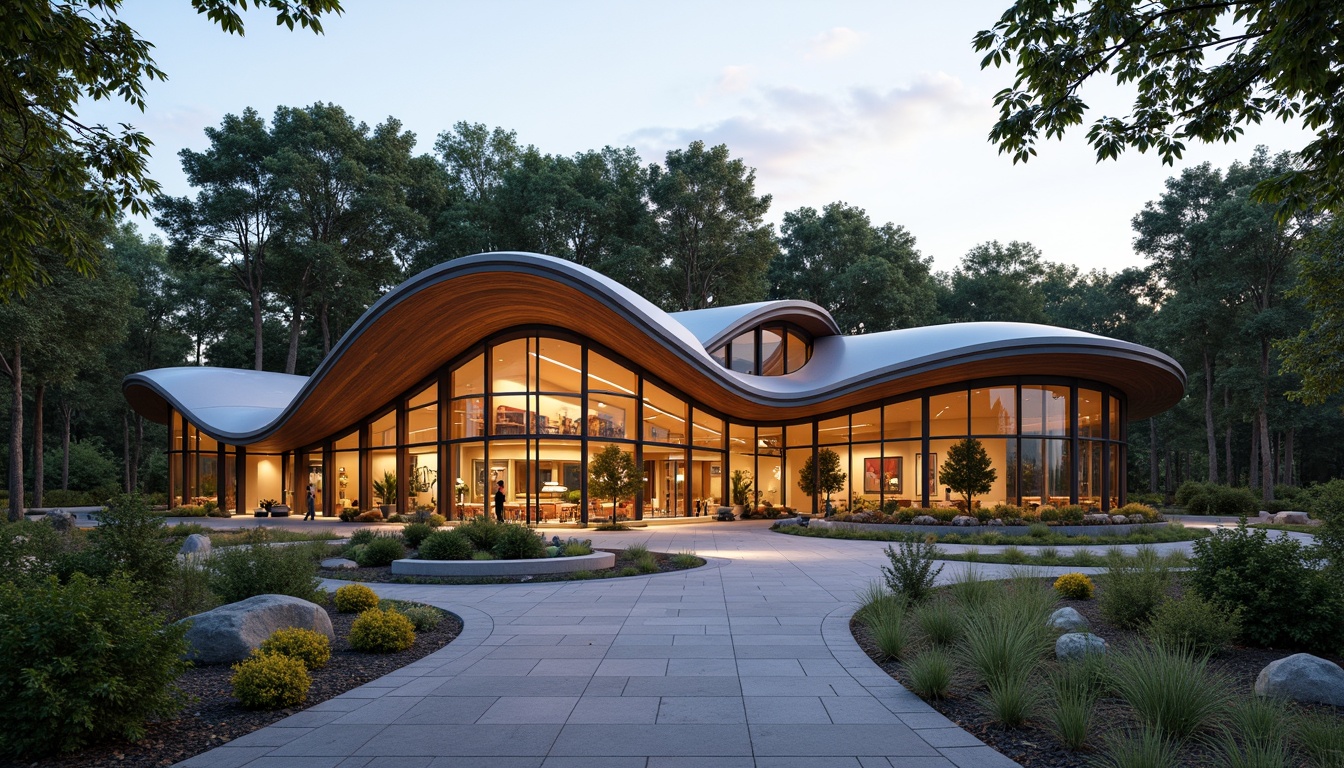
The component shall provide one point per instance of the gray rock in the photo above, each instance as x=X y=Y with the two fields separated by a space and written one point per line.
x=995 y=522
x=924 y=520
x=1068 y=620
x=1292 y=518
x=196 y=545
x=1097 y=519
x=60 y=520
x=1136 y=518
x=339 y=562
x=1076 y=645
x=1265 y=517
x=1119 y=519
x=231 y=632
x=1302 y=677
x=965 y=520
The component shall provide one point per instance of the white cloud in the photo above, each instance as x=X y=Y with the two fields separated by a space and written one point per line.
x=834 y=43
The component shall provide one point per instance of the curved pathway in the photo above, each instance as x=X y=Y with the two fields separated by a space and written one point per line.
x=745 y=663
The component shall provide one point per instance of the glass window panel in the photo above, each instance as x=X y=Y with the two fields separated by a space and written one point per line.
x=798 y=350
x=204 y=442
x=1117 y=477
x=769 y=466
x=559 y=415
x=741 y=439
x=606 y=375
x=947 y=414
x=382 y=468
x=799 y=435
x=1089 y=470
x=664 y=416
x=706 y=478
x=384 y=430
x=608 y=415
x=707 y=431
x=470 y=481
x=743 y=353
x=1089 y=414
x=512 y=416
x=207 y=475
x=347 y=480
x=741 y=459
x=831 y=431
x=897 y=479
x=1114 y=415
x=469 y=378
x=865 y=426
x=230 y=481
x=994 y=411
x=903 y=419
x=867 y=471
x=772 y=351
x=349 y=442
x=422 y=479
x=263 y=479
x=606 y=509
x=509 y=359
x=427 y=396
x=468 y=417
x=839 y=500
x=422 y=424
x=1045 y=410
x=559 y=366
x=177 y=431
x=797 y=461
x=1000 y=456
x=1045 y=472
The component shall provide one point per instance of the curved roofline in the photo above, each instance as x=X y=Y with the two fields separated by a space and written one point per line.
x=453 y=305
x=718 y=325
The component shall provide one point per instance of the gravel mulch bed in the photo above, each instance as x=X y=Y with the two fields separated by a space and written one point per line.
x=384 y=574
x=1033 y=745
x=213 y=717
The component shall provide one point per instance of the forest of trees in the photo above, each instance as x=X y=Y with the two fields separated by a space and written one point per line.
x=297 y=223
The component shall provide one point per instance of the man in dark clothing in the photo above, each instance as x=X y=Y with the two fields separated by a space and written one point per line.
x=499 y=501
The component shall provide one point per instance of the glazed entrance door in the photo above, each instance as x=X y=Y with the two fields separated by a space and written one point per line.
x=673 y=490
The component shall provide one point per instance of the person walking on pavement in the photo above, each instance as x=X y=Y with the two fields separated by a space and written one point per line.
x=311 y=514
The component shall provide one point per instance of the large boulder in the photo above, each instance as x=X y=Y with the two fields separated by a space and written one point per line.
x=196 y=545
x=1076 y=645
x=338 y=563
x=1120 y=519
x=60 y=520
x=965 y=520
x=1068 y=620
x=924 y=520
x=1096 y=519
x=231 y=632
x=1292 y=518
x=1302 y=677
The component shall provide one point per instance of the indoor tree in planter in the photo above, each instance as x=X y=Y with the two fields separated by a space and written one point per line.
x=386 y=489
x=741 y=480
x=822 y=475
x=613 y=474
x=968 y=471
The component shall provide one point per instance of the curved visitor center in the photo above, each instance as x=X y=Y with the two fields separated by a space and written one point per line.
x=520 y=368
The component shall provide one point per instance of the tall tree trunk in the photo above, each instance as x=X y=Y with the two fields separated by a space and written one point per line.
x=15 y=371
x=256 y=331
x=295 y=330
x=136 y=447
x=1266 y=456
x=1228 y=469
x=1169 y=490
x=126 y=453
x=67 y=416
x=1253 y=466
x=326 y=329
x=39 y=461
x=1152 y=455
x=1210 y=428
x=1288 y=478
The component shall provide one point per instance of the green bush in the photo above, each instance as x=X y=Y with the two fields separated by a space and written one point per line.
x=911 y=572
x=355 y=598
x=30 y=551
x=270 y=681
x=1193 y=623
x=1074 y=585
x=1071 y=514
x=482 y=531
x=61 y=498
x=1286 y=600
x=646 y=563
x=930 y=673
x=1133 y=587
x=576 y=548
x=1189 y=491
x=349 y=514
x=939 y=621
x=312 y=648
x=451 y=544
x=1325 y=502
x=1171 y=690
x=518 y=542
x=687 y=560
x=129 y=538
x=1233 y=502
x=1148 y=514
x=362 y=536
x=188 y=591
x=415 y=533
x=379 y=631
x=84 y=661
x=381 y=552
x=260 y=569
x=423 y=617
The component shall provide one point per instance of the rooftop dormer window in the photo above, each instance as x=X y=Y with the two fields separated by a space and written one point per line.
x=766 y=350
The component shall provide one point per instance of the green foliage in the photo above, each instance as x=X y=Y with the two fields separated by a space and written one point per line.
x=1005 y=641
x=312 y=648
x=973 y=592
x=930 y=673
x=1189 y=490
x=1313 y=354
x=423 y=617
x=482 y=531
x=1194 y=624
x=518 y=542
x=188 y=591
x=1146 y=749
x=575 y=548
x=683 y=560
x=1320 y=737
x=1253 y=735
x=1326 y=503
x=911 y=572
x=1011 y=700
x=821 y=474
x=379 y=631
x=1074 y=585
x=741 y=486
x=1171 y=690
x=270 y=681
x=939 y=621
x=415 y=533
x=386 y=488
x=634 y=552
x=885 y=616
x=355 y=598
x=260 y=569
x=132 y=540
x=30 y=551
x=1074 y=688
x=1285 y=599
x=968 y=470
x=451 y=544
x=646 y=563
x=363 y=536
x=1133 y=587
x=614 y=474
x=85 y=661
x=381 y=552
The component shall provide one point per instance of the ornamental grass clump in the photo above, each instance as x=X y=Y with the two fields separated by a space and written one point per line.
x=1145 y=749
x=379 y=631
x=415 y=533
x=1005 y=642
x=355 y=598
x=930 y=673
x=1076 y=586
x=270 y=681
x=311 y=648
x=1171 y=690
x=1320 y=737
x=939 y=621
x=686 y=560
x=1133 y=586
x=1252 y=736
x=972 y=591
x=1074 y=688
x=884 y=614
x=423 y=617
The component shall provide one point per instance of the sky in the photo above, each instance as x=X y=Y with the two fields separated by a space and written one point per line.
x=882 y=105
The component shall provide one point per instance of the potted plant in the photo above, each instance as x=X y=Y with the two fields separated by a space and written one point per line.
x=741 y=480
x=264 y=507
x=386 y=489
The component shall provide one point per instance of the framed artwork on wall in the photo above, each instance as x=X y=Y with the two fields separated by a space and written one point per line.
x=884 y=475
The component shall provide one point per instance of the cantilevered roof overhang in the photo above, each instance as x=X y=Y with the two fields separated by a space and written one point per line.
x=441 y=312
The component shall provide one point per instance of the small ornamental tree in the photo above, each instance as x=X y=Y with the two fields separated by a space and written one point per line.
x=613 y=474
x=968 y=470
x=822 y=475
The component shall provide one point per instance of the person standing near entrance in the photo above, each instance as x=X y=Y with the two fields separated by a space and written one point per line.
x=311 y=514
x=499 y=501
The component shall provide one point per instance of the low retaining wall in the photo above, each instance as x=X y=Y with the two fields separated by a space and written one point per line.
x=1005 y=530
x=537 y=567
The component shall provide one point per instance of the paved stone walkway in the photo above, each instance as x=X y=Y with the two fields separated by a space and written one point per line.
x=745 y=663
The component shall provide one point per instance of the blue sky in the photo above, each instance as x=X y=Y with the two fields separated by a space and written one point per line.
x=879 y=104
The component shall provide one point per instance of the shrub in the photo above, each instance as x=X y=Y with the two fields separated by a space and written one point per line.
x=415 y=533
x=355 y=598
x=1148 y=514
x=930 y=673
x=1326 y=503
x=362 y=536
x=371 y=516
x=130 y=538
x=348 y=514
x=270 y=681
x=482 y=556
x=634 y=552
x=312 y=648
x=84 y=661
x=1170 y=689
x=1071 y=514
x=646 y=563
x=629 y=570
x=1285 y=599
x=423 y=617
x=687 y=560
x=1196 y=624
x=1038 y=530
x=1074 y=585
x=1233 y=502
x=260 y=569
x=188 y=591
x=482 y=531
x=379 y=631
x=939 y=621
x=30 y=551
x=518 y=542
x=576 y=548
x=381 y=552
x=911 y=572
x=1047 y=514
x=446 y=545
x=1189 y=491
x=1133 y=587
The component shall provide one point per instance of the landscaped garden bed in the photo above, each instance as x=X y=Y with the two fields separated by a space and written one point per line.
x=634 y=560
x=1036 y=534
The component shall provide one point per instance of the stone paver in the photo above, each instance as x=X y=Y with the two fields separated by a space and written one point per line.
x=745 y=663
